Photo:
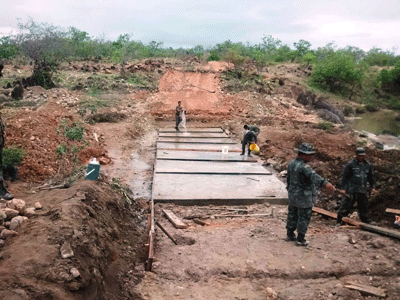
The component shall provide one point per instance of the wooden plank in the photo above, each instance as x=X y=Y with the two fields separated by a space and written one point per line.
x=364 y=226
x=367 y=289
x=178 y=223
x=166 y=232
x=334 y=216
x=393 y=211
x=150 y=259
x=201 y=222
x=234 y=216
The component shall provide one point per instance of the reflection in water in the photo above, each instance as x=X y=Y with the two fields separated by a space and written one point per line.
x=378 y=122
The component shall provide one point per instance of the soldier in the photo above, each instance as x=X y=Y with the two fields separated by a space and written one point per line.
x=178 y=113
x=302 y=184
x=253 y=128
x=248 y=138
x=3 y=191
x=356 y=175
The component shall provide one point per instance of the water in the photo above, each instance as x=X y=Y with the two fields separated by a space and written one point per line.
x=377 y=122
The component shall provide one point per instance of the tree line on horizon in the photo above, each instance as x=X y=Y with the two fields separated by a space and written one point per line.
x=338 y=70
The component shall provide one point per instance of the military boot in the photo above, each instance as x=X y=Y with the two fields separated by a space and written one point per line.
x=290 y=237
x=301 y=240
x=4 y=193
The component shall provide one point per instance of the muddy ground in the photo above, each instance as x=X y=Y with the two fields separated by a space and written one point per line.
x=105 y=221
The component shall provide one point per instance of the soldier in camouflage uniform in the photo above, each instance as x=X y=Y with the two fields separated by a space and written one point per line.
x=3 y=191
x=248 y=138
x=178 y=114
x=253 y=128
x=357 y=175
x=302 y=184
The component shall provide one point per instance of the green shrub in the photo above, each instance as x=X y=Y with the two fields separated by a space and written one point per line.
x=348 y=110
x=372 y=107
x=325 y=125
x=74 y=133
x=61 y=149
x=338 y=73
x=12 y=156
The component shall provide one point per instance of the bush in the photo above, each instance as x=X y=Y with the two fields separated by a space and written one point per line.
x=338 y=73
x=348 y=110
x=12 y=156
x=325 y=125
x=74 y=133
x=61 y=149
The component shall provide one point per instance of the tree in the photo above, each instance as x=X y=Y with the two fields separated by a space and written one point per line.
x=302 y=47
x=339 y=73
x=46 y=45
x=8 y=49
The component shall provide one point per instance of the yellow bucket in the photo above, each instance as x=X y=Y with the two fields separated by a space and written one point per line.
x=254 y=147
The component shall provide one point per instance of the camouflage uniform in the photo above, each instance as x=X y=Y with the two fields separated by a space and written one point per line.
x=356 y=176
x=178 y=111
x=302 y=184
x=255 y=129
x=248 y=138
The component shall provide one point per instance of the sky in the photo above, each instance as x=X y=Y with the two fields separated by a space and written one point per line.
x=186 y=23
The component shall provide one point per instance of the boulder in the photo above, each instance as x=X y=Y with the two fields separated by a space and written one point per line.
x=17 y=204
x=16 y=221
x=66 y=250
x=18 y=92
x=11 y=213
x=5 y=233
x=29 y=212
x=328 y=116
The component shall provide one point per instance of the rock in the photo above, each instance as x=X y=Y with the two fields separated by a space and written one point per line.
x=75 y=272
x=17 y=204
x=328 y=116
x=272 y=162
x=283 y=173
x=3 y=98
x=5 y=233
x=3 y=216
x=18 y=92
x=11 y=213
x=16 y=221
x=271 y=294
x=29 y=212
x=38 y=205
x=1 y=243
x=377 y=243
x=66 y=250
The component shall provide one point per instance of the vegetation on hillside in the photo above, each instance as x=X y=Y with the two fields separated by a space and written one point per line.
x=349 y=72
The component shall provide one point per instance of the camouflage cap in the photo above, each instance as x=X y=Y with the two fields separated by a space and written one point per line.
x=360 y=151
x=305 y=148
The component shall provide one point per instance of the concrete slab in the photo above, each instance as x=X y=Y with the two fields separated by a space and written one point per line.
x=217 y=189
x=194 y=135
x=192 y=129
x=198 y=147
x=196 y=140
x=202 y=156
x=207 y=167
